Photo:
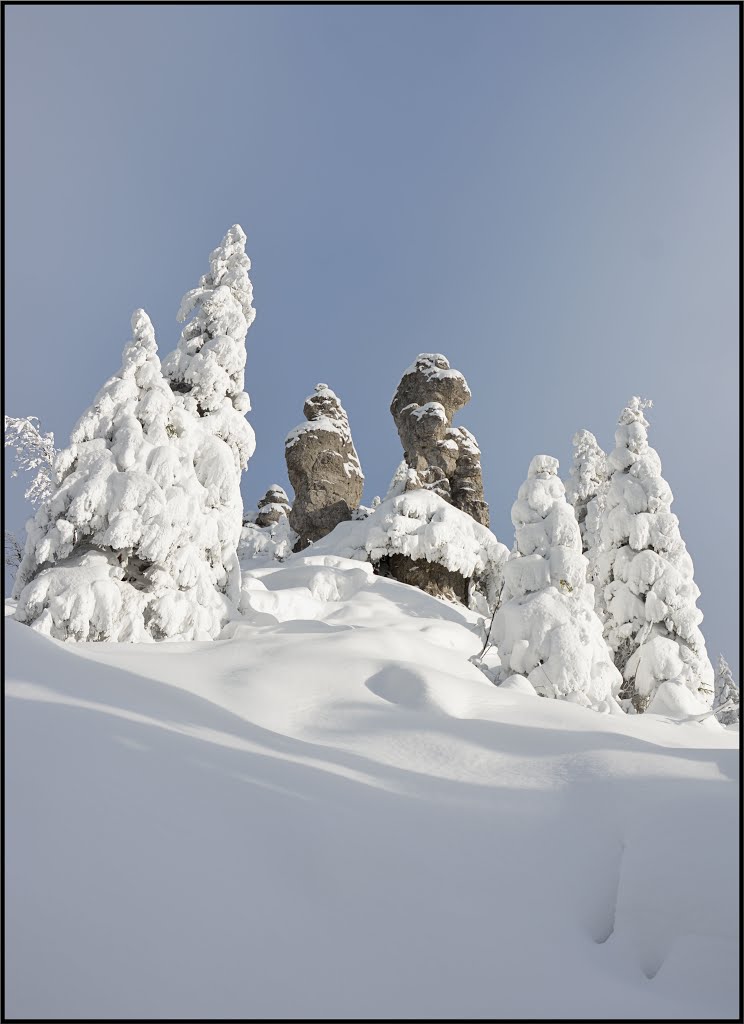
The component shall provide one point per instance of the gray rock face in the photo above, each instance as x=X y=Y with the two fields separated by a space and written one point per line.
x=466 y=483
x=430 y=577
x=323 y=468
x=272 y=506
x=443 y=458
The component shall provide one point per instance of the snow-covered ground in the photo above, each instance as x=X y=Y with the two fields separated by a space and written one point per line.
x=334 y=814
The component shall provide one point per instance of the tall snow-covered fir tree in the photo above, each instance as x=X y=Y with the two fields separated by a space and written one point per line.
x=546 y=628
x=71 y=582
x=645 y=574
x=208 y=367
x=207 y=373
x=726 y=691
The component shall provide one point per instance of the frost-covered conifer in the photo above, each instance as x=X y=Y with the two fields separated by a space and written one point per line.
x=402 y=477
x=70 y=582
x=546 y=628
x=208 y=366
x=127 y=547
x=207 y=373
x=13 y=547
x=646 y=575
x=587 y=480
x=726 y=692
x=34 y=453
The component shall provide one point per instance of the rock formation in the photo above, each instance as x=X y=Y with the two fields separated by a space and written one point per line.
x=420 y=539
x=445 y=461
x=442 y=458
x=272 y=506
x=266 y=533
x=323 y=468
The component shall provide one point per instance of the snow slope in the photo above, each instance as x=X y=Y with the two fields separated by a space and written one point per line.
x=333 y=814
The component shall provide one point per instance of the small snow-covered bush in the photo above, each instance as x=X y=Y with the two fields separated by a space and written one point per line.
x=546 y=628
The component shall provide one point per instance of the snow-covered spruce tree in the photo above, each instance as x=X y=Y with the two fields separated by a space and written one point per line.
x=546 y=628
x=587 y=480
x=726 y=693
x=127 y=548
x=71 y=582
x=207 y=374
x=644 y=574
x=34 y=453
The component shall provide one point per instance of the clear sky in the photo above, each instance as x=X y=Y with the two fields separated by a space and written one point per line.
x=546 y=194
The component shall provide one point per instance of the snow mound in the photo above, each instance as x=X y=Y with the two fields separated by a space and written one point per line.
x=272 y=543
x=422 y=525
x=301 y=590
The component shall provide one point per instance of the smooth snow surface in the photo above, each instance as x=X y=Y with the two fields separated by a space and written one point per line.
x=333 y=814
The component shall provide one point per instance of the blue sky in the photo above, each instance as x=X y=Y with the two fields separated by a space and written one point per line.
x=546 y=194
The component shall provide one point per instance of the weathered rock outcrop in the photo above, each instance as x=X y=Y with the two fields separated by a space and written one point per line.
x=266 y=533
x=431 y=577
x=323 y=468
x=466 y=483
x=439 y=458
x=444 y=459
x=272 y=506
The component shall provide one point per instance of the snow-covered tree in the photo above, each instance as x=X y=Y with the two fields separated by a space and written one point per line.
x=13 y=547
x=96 y=509
x=726 y=694
x=34 y=452
x=208 y=367
x=400 y=481
x=645 y=575
x=545 y=627
x=587 y=480
x=127 y=547
x=207 y=374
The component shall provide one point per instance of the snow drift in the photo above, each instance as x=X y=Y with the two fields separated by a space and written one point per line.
x=333 y=814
